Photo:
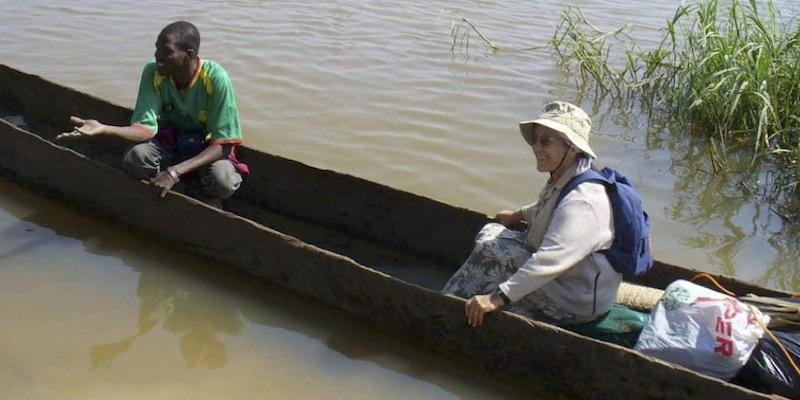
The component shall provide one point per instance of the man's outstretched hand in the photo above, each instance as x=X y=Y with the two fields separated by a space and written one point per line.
x=83 y=127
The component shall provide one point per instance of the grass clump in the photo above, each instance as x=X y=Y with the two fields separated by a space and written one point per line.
x=733 y=75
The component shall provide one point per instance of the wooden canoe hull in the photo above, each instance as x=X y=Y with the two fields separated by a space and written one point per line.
x=320 y=208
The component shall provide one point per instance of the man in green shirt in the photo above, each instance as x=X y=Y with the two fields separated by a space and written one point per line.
x=185 y=119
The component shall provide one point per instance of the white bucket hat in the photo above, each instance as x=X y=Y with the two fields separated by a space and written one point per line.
x=567 y=119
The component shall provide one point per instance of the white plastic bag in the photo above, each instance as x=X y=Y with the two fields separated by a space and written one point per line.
x=701 y=329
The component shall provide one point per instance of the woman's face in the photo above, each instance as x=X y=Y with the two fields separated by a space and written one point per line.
x=549 y=147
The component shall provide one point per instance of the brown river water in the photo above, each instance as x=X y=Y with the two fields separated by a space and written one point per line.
x=370 y=88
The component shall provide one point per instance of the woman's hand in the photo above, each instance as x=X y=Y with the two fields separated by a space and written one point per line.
x=83 y=127
x=508 y=217
x=480 y=305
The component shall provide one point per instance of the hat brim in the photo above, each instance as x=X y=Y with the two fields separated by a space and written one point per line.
x=526 y=129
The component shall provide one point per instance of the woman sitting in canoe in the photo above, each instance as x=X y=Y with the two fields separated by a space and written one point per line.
x=553 y=271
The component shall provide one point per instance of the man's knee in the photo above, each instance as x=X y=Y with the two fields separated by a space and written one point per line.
x=222 y=180
x=142 y=160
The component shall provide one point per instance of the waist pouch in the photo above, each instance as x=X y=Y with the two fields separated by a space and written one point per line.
x=188 y=144
x=183 y=144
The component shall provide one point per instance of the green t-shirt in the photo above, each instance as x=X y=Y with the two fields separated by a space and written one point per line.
x=207 y=104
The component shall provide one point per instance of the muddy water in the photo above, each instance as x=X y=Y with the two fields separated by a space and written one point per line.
x=92 y=312
x=371 y=88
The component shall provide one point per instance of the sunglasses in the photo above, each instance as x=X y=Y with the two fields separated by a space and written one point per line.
x=541 y=140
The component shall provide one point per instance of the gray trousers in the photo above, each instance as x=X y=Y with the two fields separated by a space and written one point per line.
x=212 y=183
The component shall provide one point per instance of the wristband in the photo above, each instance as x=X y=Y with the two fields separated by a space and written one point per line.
x=502 y=296
x=173 y=174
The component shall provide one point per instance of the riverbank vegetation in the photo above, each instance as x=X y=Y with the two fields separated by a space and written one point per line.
x=730 y=74
x=724 y=72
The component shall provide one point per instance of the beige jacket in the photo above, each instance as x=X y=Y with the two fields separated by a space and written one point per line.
x=565 y=241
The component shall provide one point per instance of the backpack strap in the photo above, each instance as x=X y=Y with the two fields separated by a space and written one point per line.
x=590 y=175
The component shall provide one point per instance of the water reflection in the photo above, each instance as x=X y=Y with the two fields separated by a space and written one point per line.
x=254 y=338
x=167 y=297
x=196 y=319
x=733 y=226
x=788 y=253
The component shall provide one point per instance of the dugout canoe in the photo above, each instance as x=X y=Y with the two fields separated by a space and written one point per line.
x=342 y=240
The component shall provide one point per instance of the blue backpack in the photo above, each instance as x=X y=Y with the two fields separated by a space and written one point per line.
x=630 y=250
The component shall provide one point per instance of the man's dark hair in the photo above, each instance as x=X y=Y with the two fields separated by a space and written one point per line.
x=185 y=35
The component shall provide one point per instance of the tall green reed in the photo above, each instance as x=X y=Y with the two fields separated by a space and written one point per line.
x=732 y=75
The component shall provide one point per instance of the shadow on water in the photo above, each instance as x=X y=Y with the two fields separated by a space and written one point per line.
x=198 y=300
